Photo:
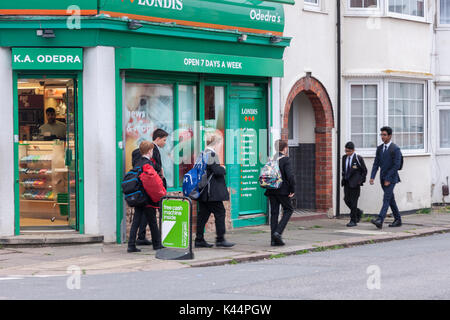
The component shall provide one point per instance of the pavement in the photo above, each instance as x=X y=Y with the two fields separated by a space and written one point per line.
x=252 y=244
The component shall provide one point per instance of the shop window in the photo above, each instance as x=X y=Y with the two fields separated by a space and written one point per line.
x=187 y=116
x=149 y=107
x=215 y=118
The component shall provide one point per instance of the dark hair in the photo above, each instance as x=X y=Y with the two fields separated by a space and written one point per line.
x=159 y=133
x=49 y=110
x=350 y=145
x=280 y=145
x=387 y=129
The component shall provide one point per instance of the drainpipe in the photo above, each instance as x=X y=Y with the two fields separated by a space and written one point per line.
x=338 y=125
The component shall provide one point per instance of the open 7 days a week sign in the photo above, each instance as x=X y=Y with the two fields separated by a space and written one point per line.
x=47 y=59
x=176 y=229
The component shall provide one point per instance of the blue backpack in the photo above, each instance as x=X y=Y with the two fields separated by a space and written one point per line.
x=195 y=181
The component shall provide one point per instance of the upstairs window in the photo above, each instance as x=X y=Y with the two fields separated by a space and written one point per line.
x=414 y=8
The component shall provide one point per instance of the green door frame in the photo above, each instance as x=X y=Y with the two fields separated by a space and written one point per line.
x=78 y=77
x=202 y=80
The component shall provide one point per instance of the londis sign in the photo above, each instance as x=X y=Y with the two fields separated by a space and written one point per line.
x=249 y=16
x=47 y=59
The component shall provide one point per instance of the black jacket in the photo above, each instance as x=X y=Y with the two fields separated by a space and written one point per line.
x=357 y=174
x=287 y=174
x=217 y=189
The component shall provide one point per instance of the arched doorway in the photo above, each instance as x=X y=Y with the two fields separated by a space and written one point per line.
x=309 y=90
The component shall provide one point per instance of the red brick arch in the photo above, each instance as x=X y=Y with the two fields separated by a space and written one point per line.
x=323 y=111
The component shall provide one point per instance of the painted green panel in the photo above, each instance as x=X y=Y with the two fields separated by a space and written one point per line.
x=47 y=59
x=43 y=7
x=244 y=15
x=178 y=61
x=175 y=223
x=248 y=129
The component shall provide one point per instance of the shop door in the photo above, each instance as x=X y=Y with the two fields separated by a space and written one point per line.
x=46 y=141
x=248 y=144
x=71 y=156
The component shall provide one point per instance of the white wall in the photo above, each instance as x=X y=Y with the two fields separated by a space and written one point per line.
x=441 y=160
x=312 y=49
x=6 y=145
x=99 y=124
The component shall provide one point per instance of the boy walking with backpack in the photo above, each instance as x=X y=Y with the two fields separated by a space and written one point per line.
x=389 y=159
x=211 y=199
x=282 y=195
x=147 y=210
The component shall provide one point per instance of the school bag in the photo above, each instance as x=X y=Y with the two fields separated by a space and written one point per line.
x=196 y=179
x=132 y=188
x=152 y=183
x=391 y=149
x=270 y=177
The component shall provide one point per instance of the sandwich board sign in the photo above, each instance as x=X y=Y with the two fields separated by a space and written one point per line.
x=176 y=229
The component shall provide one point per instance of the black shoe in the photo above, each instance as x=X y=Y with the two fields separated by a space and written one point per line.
x=396 y=223
x=158 y=246
x=224 y=243
x=377 y=222
x=132 y=249
x=360 y=214
x=274 y=243
x=277 y=239
x=143 y=242
x=202 y=244
x=351 y=224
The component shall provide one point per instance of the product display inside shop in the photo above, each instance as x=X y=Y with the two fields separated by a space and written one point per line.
x=46 y=152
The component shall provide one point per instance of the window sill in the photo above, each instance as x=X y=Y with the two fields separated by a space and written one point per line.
x=378 y=15
x=443 y=152
x=370 y=155
x=315 y=10
x=408 y=18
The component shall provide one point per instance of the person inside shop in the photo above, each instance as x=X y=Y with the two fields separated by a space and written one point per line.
x=53 y=129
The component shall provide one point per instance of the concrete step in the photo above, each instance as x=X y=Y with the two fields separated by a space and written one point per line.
x=47 y=239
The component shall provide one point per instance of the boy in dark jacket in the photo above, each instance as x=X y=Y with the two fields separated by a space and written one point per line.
x=148 y=211
x=211 y=200
x=354 y=172
x=282 y=196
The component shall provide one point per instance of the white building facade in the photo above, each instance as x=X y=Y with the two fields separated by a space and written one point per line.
x=393 y=72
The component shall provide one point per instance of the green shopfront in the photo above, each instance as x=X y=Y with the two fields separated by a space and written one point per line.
x=193 y=68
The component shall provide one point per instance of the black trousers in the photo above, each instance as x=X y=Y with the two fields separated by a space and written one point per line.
x=205 y=210
x=351 y=197
x=150 y=217
x=288 y=209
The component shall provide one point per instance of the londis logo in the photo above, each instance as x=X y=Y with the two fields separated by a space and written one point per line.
x=165 y=4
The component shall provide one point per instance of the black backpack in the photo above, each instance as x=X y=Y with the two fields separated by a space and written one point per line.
x=391 y=149
x=132 y=188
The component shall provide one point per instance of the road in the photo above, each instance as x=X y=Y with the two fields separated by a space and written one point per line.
x=409 y=269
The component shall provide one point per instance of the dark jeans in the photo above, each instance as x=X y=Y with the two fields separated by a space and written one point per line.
x=389 y=201
x=150 y=216
x=351 y=197
x=205 y=210
x=288 y=209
